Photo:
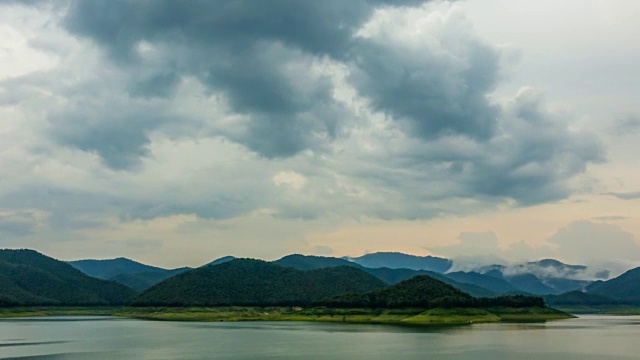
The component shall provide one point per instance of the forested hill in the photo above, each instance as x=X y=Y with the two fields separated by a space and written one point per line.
x=30 y=278
x=625 y=287
x=419 y=291
x=426 y=292
x=256 y=282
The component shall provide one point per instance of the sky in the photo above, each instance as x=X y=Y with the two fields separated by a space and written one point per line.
x=174 y=133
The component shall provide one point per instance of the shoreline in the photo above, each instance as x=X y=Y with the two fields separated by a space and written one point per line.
x=418 y=317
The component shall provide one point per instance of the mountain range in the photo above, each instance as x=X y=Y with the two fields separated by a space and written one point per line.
x=542 y=277
x=28 y=277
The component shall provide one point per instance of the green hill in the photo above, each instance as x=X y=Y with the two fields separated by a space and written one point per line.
x=30 y=278
x=247 y=282
x=625 y=287
x=420 y=291
x=394 y=276
x=425 y=292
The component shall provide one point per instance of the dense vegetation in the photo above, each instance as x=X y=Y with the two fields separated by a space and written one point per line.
x=246 y=282
x=420 y=291
x=30 y=278
x=425 y=292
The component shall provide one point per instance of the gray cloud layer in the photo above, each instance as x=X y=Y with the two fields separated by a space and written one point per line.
x=358 y=108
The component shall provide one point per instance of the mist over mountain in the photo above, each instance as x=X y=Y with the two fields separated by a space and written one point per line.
x=542 y=277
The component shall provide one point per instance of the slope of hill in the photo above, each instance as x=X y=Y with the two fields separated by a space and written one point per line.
x=625 y=287
x=494 y=284
x=30 y=278
x=308 y=262
x=530 y=283
x=125 y=271
x=106 y=269
x=396 y=260
x=258 y=283
x=419 y=291
x=389 y=276
x=221 y=260
x=144 y=280
x=574 y=298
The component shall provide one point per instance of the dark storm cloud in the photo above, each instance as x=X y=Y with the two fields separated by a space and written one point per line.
x=533 y=156
x=119 y=136
x=239 y=48
x=424 y=85
x=418 y=138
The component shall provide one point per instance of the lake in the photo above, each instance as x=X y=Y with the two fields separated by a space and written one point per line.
x=84 y=337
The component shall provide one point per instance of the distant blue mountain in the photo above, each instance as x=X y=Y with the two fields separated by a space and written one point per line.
x=125 y=271
x=625 y=287
x=221 y=260
x=106 y=269
x=497 y=285
x=543 y=277
x=389 y=276
x=396 y=260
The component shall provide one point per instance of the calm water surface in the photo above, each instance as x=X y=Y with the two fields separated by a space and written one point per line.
x=78 y=337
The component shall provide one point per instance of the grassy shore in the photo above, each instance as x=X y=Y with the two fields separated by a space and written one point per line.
x=367 y=316
x=371 y=316
x=11 y=312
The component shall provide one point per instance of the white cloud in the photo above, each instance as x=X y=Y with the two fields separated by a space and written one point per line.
x=290 y=179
